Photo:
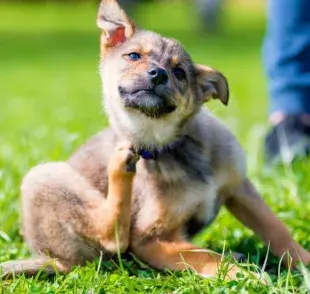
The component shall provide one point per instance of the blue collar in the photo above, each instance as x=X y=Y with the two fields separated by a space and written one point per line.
x=146 y=154
x=153 y=154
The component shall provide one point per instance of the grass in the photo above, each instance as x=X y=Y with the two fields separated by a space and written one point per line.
x=50 y=104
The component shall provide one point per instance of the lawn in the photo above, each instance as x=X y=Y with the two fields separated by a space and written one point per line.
x=50 y=103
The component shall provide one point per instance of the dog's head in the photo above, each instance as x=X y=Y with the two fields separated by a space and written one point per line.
x=151 y=86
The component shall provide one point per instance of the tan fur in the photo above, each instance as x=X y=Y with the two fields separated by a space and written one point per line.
x=175 y=60
x=106 y=198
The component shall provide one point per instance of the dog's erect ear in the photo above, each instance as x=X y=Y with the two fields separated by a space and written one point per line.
x=115 y=24
x=212 y=84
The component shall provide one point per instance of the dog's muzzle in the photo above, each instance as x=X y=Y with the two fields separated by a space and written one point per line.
x=152 y=102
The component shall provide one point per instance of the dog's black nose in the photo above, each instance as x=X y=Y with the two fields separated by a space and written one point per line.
x=159 y=75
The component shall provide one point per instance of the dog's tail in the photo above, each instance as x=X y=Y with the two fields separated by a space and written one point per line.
x=30 y=267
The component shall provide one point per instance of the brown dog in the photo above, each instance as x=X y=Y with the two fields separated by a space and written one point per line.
x=163 y=165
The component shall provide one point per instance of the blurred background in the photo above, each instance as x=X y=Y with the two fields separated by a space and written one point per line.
x=50 y=90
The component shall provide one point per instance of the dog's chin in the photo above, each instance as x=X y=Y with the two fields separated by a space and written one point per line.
x=148 y=102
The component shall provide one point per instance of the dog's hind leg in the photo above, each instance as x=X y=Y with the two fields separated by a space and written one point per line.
x=116 y=213
x=67 y=218
x=31 y=267
x=182 y=255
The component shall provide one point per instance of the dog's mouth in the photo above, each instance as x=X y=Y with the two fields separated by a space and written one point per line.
x=147 y=101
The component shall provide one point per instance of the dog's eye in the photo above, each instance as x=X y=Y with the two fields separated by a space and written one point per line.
x=179 y=73
x=134 y=56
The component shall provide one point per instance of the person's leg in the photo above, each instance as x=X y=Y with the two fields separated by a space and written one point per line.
x=287 y=63
x=209 y=12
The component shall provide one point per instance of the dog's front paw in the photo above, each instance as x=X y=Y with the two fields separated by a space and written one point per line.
x=123 y=160
x=231 y=272
x=303 y=256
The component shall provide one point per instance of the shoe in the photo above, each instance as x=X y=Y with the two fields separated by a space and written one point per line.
x=287 y=141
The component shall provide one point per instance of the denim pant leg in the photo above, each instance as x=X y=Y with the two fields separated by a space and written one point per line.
x=286 y=55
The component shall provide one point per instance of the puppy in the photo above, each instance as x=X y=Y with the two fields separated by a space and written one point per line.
x=164 y=164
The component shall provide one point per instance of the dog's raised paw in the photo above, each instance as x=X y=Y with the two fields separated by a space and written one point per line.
x=124 y=159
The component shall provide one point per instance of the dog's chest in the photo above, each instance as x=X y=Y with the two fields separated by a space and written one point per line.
x=175 y=187
x=167 y=210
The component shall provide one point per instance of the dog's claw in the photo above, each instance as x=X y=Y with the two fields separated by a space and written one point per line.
x=239 y=257
x=131 y=161
x=131 y=167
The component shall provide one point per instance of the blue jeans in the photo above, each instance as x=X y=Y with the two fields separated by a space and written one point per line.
x=286 y=54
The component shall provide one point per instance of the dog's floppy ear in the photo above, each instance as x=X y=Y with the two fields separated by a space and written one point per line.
x=212 y=84
x=115 y=24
